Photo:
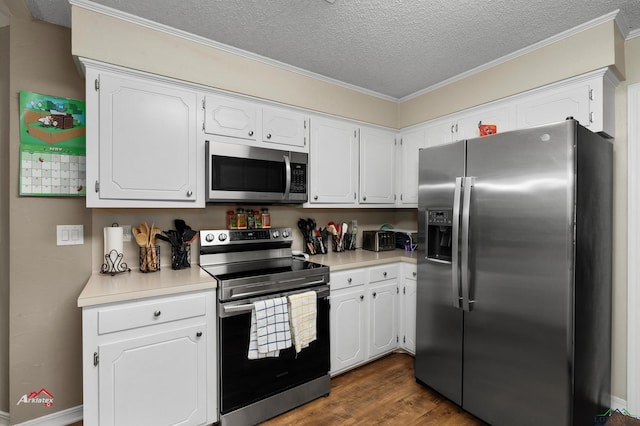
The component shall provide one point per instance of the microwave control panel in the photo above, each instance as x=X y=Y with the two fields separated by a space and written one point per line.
x=298 y=178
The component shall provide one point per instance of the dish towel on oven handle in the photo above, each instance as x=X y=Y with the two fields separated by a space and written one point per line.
x=272 y=326
x=303 y=313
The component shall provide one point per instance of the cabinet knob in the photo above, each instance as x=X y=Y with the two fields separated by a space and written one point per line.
x=189 y=193
x=315 y=197
x=268 y=135
x=364 y=198
x=199 y=334
x=157 y=314
x=349 y=280
x=250 y=132
x=374 y=294
x=384 y=274
x=361 y=297
x=414 y=274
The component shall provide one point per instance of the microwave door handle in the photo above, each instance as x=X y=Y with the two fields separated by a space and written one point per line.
x=287 y=167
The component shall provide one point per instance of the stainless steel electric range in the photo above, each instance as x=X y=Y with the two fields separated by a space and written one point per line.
x=253 y=265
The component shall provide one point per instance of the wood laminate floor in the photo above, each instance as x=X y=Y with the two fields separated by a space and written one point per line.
x=383 y=392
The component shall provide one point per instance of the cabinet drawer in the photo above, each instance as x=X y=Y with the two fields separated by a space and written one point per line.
x=410 y=271
x=157 y=311
x=345 y=279
x=384 y=272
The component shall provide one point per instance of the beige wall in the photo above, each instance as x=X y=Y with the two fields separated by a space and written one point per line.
x=100 y=37
x=45 y=280
x=4 y=218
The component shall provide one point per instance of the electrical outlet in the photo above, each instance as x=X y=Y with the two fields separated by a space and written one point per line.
x=126 y=233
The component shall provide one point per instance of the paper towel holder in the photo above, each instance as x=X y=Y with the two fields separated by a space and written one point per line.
x=113 y=263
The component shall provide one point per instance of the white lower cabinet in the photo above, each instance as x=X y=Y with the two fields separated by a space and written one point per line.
x=407 y=308
x=363 y=316
x=151 y=361
x=348 y=328
x=383 y=335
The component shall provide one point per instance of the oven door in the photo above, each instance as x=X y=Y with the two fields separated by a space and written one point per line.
x=250 y=174
x=244 y=381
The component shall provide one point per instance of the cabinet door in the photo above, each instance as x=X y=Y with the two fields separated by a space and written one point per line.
x=438 y=132
x=147 y=141
x=383 y=332
x=347 y=328
x=284 y=127
x=230 y=117
x=407 y=166
x=334 y=162
x=158 y=379
x=554 y=105
x=501 y=116
x=409 y=315
x=377 y=166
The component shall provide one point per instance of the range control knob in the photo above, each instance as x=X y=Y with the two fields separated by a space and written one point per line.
x=209 y=237
x=285 y=234
x=275 y=234
x=222 y=237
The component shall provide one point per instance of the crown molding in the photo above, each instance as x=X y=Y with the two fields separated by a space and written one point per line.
x=616 y=16
x=117 y=14
x=554 y=39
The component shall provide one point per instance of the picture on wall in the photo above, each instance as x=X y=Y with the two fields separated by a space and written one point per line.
x=52 y=145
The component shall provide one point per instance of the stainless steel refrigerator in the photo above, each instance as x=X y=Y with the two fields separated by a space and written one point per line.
x=514 y=275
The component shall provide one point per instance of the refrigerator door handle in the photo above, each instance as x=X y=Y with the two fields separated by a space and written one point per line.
x=467 y=303
x=455 y=261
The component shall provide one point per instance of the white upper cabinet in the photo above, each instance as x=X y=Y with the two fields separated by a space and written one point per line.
x=230 y=117
x=334 y=162
x=255 y=124
x=467 y=124
x=141 y=142
x=589 y=99
x=283 y=126
x=407 y=166
x=377 y=166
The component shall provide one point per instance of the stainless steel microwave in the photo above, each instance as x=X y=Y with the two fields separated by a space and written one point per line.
x=241 y=173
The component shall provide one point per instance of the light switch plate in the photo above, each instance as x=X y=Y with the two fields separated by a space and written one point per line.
x=69 y=235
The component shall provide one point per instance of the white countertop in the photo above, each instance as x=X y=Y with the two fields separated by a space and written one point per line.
x=104 y=288
x=362 y=258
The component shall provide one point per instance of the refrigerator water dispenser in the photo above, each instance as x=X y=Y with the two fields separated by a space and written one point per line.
x=439 y=229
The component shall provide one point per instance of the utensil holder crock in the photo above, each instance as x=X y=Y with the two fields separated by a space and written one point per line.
x=181 y=256
x=150 y=259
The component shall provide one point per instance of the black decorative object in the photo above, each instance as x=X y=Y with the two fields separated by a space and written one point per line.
x=113 y=263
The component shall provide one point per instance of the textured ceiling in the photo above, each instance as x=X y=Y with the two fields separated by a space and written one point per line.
x=391 y=47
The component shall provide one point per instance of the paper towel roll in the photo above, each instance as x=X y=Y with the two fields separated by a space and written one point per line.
x=113 y=237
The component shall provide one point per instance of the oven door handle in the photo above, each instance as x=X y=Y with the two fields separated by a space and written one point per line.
x=238 y=308
x=260 y=291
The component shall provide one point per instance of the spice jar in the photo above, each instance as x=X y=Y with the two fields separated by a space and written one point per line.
x=266 y=218
x=232 y=220
x=258 y=218
x=251 y=222
x=241 y=218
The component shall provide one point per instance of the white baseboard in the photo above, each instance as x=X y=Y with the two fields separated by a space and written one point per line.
x=618 y=403
x=4 y=418
x=59 y=418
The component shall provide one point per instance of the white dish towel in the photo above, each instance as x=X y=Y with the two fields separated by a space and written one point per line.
x=303 y=313
x=270 y=330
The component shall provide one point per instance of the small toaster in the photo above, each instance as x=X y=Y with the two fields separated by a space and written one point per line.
x=378 y=240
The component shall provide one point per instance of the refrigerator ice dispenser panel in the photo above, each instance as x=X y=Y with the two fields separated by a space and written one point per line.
x=439 y=230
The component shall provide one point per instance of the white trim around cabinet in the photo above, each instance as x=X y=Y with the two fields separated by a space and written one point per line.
x=633 y=280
